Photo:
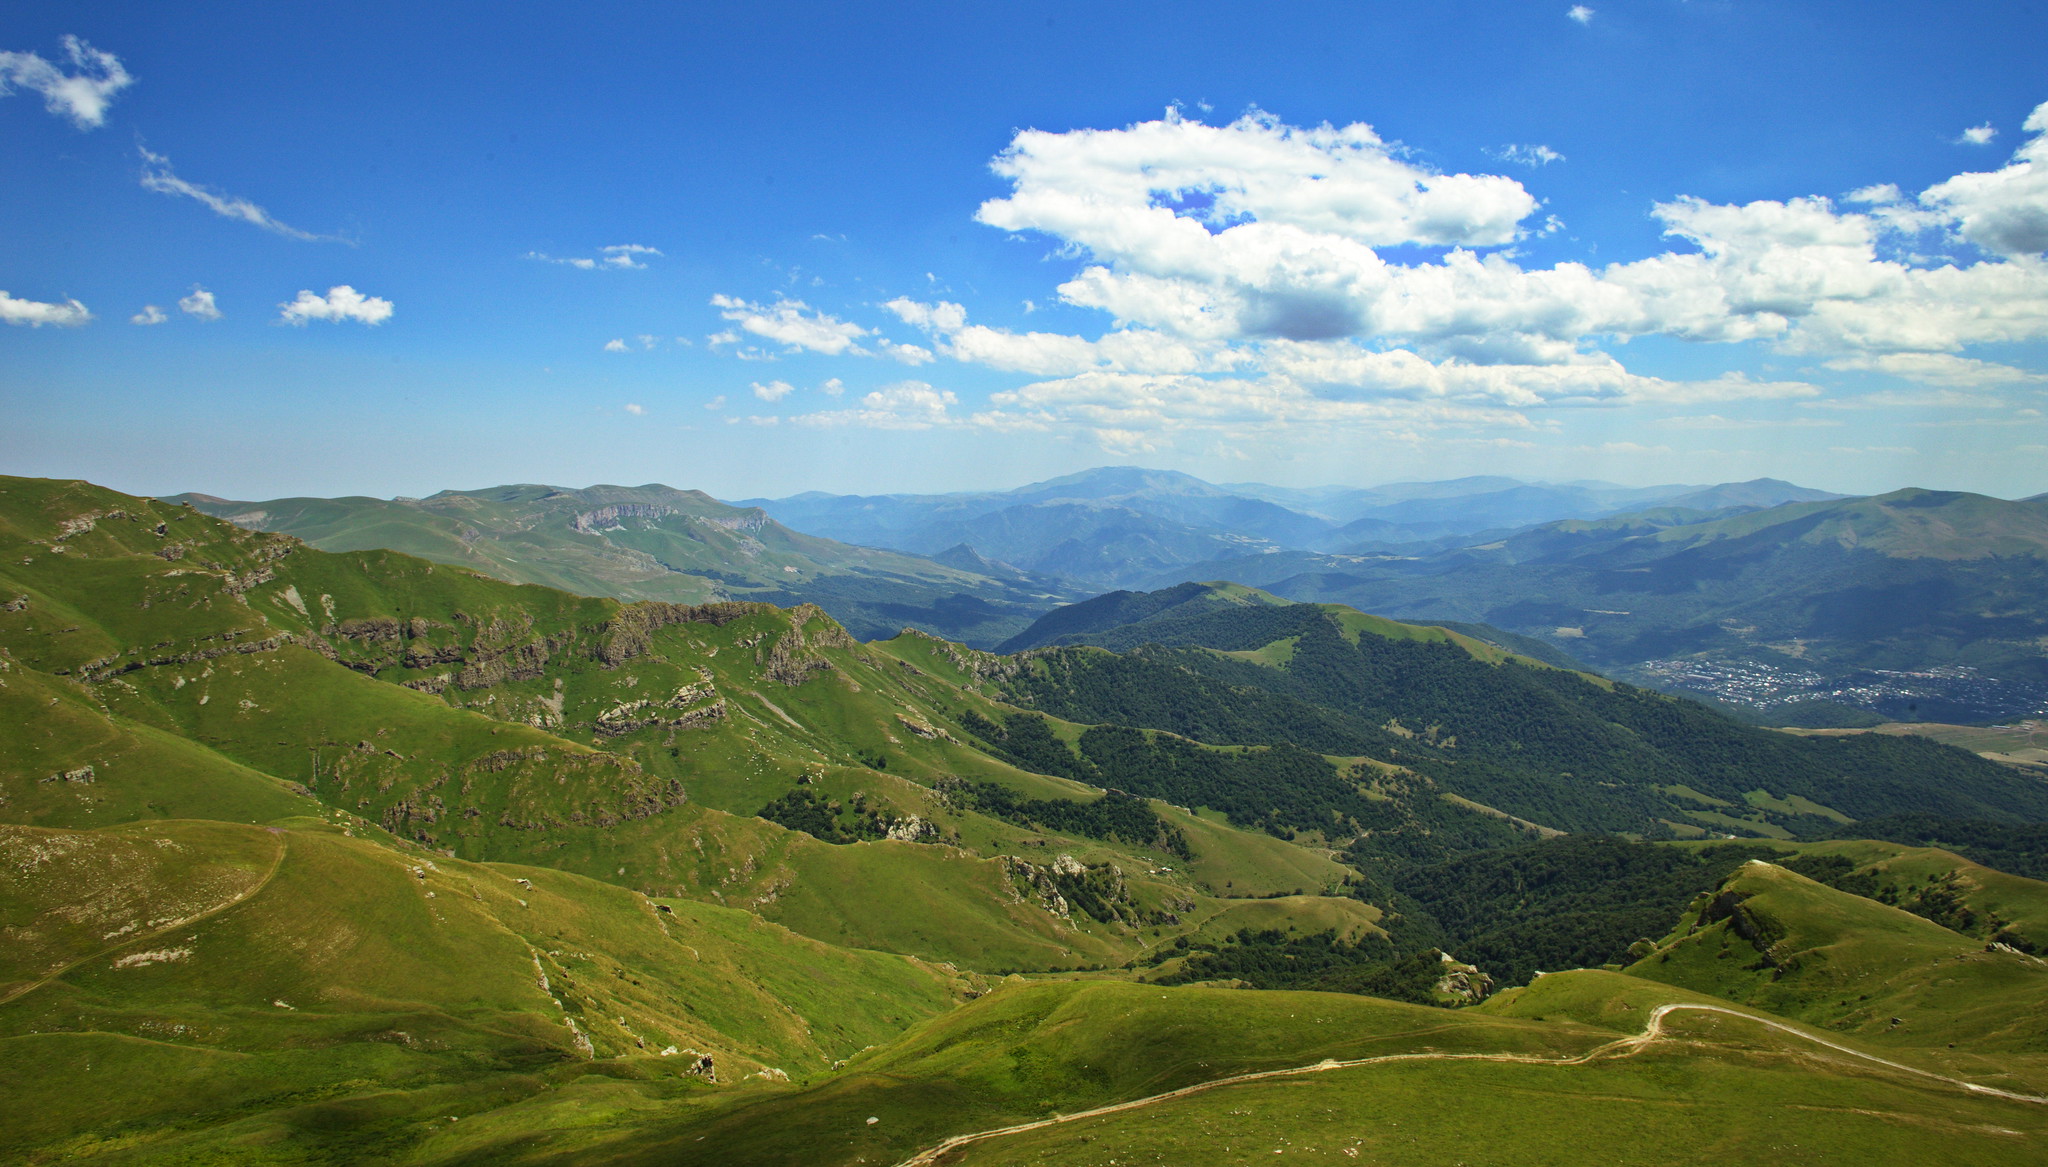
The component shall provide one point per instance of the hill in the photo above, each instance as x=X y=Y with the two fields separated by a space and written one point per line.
x=355 y=857
x=657 y=543
x=1540 y=744
x=1921 y=605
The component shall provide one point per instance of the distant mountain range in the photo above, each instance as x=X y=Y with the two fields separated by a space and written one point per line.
x=658 y=543
x=1122 y=526
x=1920 y=605
x=1792 y=604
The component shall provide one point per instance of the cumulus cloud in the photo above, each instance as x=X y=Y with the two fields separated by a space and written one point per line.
x=150 y=314
x=340 y=303
x=617 y=344
x=617 y=257
x=1262 y=276
x=1977 y=135
x=792 y=323
x=82 y=96
x=1580 y=13
x=2005 y=212
x=200 y=304
x=636 y=410
x=773 y=390
x=158 y=176
x=36 y=313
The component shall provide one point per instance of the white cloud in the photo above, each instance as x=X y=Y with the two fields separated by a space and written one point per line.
x=1977 y=135
x=832 y=387
x=1580 y=13
x=35 y=313
x=157 y=176
x=150 y=314
x=908 y=354
x=1527 y=155
x=792 y=323
x=1273 y=253
x=82 y=96
x=340 y=303
x=200 y=304
x=617 y=344
x=717 y=402
x=773 y=390
x=906 y=405
x=1166 y=188
x=1938 y=369
x=636 y=410
x=1242 y=270
x=617 y=257
x=2005 y=212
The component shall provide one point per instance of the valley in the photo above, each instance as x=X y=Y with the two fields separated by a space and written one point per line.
x=346 y=854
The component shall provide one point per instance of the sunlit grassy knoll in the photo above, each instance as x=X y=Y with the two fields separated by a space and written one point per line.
x=1774 y=940
x=1030 y=1050
x=56 y=727
x=1727 y=1094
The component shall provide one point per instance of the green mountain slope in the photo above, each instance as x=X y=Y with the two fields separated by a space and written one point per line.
x=230 y=984
x=356 y=857
x=1546 y=745
x=637 y=744
x=1773 y=939
x=657 y=543
x=1919 y=604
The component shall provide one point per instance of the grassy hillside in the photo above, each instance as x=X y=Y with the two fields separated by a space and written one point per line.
x=224 y=985
x=355 y=857
x=176 y=665
x=1775 y=940
x=1549 y=746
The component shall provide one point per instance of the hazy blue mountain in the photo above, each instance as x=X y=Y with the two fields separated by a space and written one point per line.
x=1123 y=526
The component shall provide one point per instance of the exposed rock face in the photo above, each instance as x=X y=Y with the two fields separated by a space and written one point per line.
x=924 y=729
x=1462 y=982
x=630 y=633
x=1067 y=884
x=607 y=518
x=796 y=655
x=914 y=829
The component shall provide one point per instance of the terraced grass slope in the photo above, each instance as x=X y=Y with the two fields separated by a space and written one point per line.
x=657 y=543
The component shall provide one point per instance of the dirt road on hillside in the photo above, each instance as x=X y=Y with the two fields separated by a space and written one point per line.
x=1624 y=1047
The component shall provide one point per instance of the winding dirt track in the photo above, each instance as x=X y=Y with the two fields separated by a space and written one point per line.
x=1624 y=1047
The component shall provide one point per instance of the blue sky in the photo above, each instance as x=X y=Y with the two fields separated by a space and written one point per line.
x=764 y=248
